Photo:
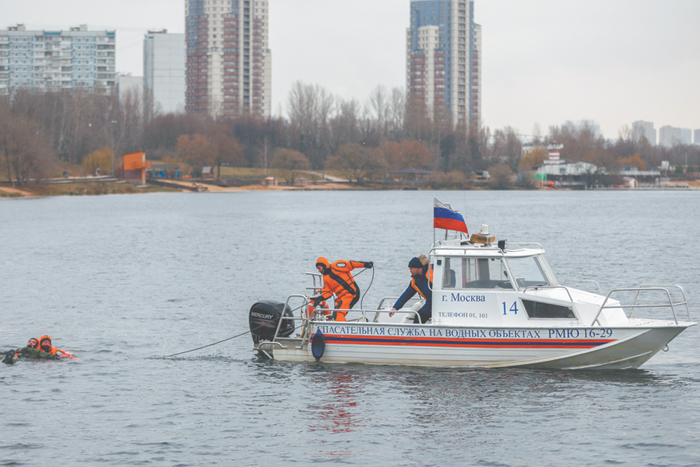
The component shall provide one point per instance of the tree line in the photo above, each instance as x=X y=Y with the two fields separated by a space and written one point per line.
x=42 y=132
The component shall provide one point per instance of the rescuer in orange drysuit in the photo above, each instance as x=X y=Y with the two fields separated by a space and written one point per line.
x=338 y=280
x=45 y=345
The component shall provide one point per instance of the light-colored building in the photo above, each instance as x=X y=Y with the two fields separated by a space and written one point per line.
x=646 y=129
x=47 y=61
x=686 y=136
x=127 y=84
x=671 y=136
x=164 y=60
x=697 y=137
x=443 y=60
x=229 y=64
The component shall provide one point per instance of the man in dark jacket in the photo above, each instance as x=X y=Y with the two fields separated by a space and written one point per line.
x=421 y=284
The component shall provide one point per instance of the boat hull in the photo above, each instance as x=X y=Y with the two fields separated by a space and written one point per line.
x=426 y=345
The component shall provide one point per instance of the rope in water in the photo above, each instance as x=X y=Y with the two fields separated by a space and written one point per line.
x=248 y=332
x=221 y=341
x=215 y=343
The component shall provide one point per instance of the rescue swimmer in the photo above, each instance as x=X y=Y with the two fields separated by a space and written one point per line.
x=36 y=349
x=338 y=281
x=45 y=345
x=422 y=284
x=31 y=351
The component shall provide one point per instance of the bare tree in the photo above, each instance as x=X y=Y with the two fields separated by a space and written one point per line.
x=397 y=113
x=25 y=148
x=407 y=154
x=225 y=149
x=265 y=151
x=357 y=162
x=501 y=177
x=290 y=163
x=195 y=150
x=507 y=147
x=309 y=111
x=378 y=109
x=344 y=126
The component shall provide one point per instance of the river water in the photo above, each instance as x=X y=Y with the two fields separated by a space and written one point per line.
x=122 y=281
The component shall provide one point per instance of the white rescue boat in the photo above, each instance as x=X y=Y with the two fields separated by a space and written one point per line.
x=493 y=305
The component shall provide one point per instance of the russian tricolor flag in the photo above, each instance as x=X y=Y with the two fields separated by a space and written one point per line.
x=446 y=218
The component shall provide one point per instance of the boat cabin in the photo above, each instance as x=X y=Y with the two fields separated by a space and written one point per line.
x=478 y=282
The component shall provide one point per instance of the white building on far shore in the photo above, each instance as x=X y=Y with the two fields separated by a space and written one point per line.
x=164 y=61
x=48 y=61
x=641 y=128
x=671 y=136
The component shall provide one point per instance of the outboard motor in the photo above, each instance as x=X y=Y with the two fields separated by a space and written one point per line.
x=264 y=316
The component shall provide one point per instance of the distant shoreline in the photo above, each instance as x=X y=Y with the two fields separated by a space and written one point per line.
x=81 y=188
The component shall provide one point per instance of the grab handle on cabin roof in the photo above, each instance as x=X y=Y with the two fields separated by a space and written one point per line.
x=585 y=281
x=535 y=287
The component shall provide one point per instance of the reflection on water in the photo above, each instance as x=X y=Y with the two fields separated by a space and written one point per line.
x=334 y=409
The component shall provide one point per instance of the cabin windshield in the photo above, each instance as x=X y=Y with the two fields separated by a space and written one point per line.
x=528 y=272
x=475 y=273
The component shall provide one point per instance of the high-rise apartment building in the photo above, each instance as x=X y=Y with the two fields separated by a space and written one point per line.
x=670 y=136
x=696 y=137
x=229 y=64
x=646 y=129
x=47 y=61
x=164 y=59
x=443 y=63
x=127 y=85
x=686 y=136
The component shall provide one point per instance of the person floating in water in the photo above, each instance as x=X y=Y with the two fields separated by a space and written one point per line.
x=45 y=345
x=36 y=349
x=31 y=351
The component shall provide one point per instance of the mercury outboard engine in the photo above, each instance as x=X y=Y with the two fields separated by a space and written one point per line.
x=264 y=316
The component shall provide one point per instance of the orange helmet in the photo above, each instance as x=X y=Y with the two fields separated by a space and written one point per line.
x=43 y=339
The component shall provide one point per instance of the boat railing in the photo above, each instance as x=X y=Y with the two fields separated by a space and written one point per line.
x=304 y=319
x=452 y=244
x=381 y=309
x=639 y=302
x=317 y=282
x=584 y=281
x=523 y=245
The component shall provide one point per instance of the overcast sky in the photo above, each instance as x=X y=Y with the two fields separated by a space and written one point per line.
x=544 y=61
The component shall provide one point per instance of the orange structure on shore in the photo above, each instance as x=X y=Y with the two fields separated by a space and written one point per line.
x=134 y=167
